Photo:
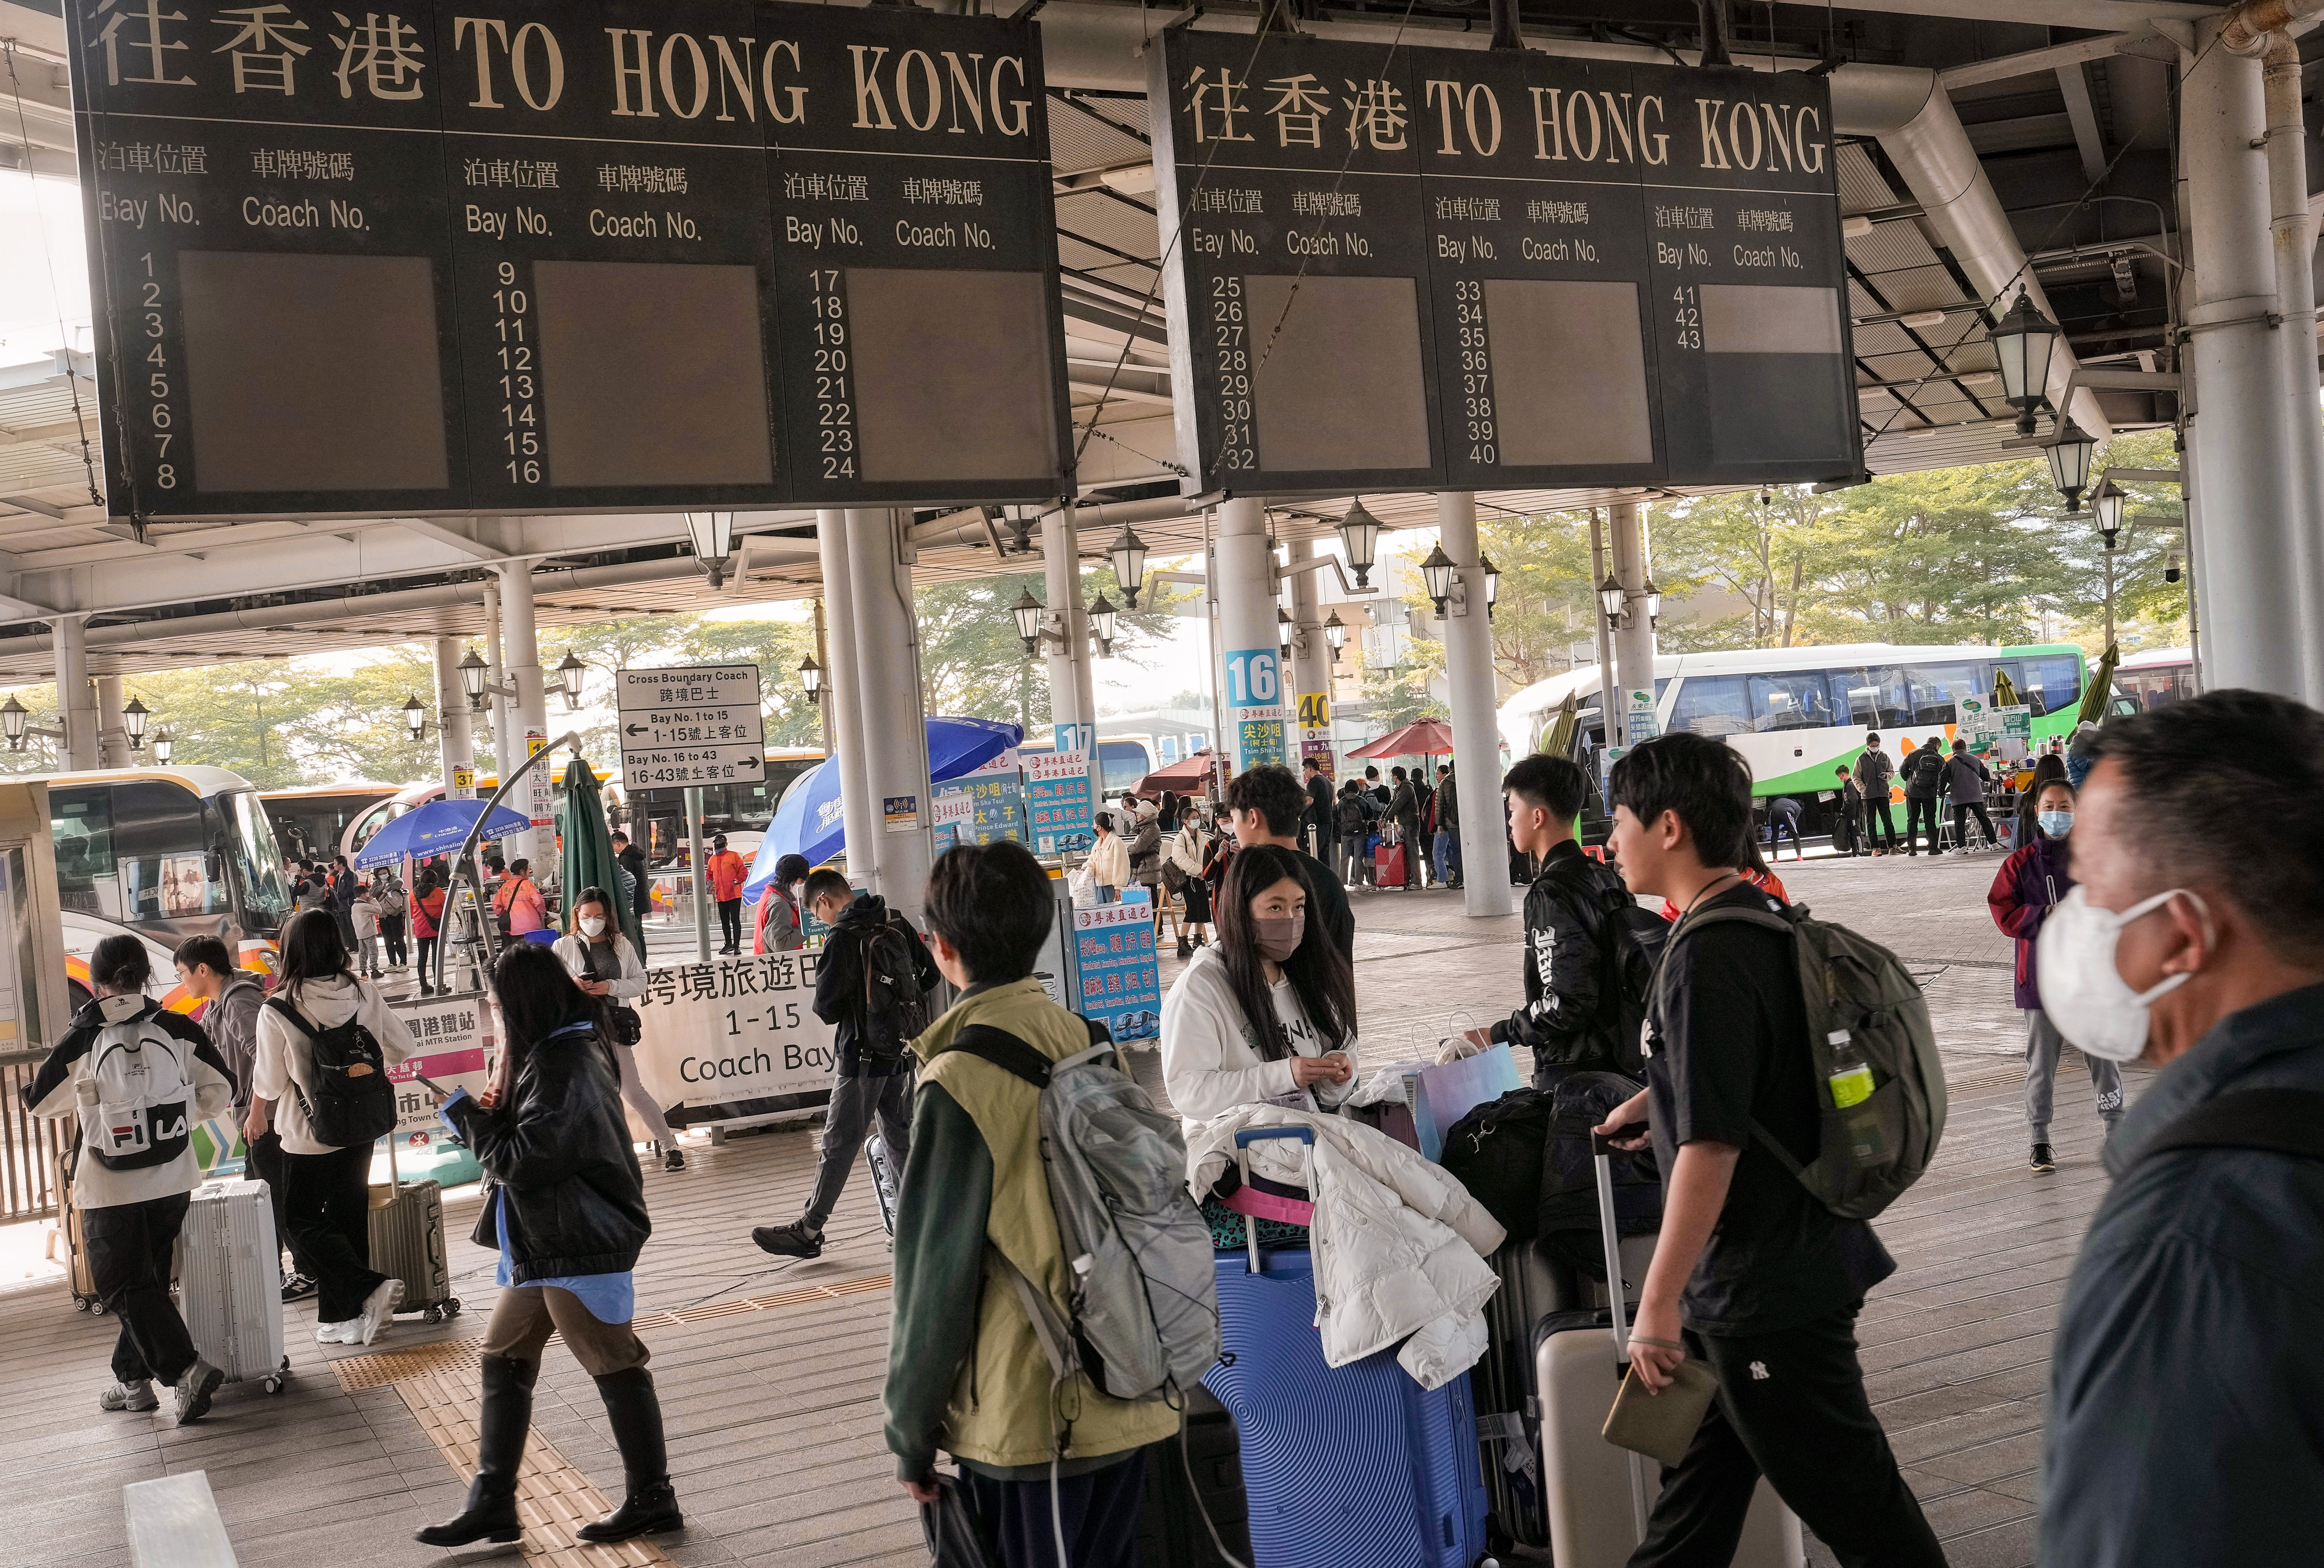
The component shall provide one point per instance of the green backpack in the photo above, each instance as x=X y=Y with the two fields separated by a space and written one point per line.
x=1857 y=994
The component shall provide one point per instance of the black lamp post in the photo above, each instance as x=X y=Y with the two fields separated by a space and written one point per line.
x=1129 y=553
x=1436 y=576
x=1100 y=615
x=1359 y=540
x=2070 y=451
x=415 y=718
x=472 y=675
x=2022 y=341
x=1028 y=611
x=13 y=717
x=810 y=676
x=132 y=719
x=570 y=673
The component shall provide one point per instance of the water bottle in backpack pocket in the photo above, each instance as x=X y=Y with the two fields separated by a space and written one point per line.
x=136 y=1103
x=352 y=1102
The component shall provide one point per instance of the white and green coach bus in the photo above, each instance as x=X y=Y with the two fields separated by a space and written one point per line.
x=1796 y=713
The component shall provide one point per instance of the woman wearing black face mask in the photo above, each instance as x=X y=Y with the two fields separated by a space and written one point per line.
x=1265 y=1015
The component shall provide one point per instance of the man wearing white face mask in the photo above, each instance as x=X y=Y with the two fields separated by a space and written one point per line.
x=2185 y=1383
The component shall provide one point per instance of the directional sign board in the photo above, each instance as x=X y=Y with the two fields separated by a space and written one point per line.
x=525 y=255
x=1421 y=268
x=693 y=724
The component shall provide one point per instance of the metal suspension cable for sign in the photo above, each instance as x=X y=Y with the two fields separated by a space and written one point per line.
x=465 y=857
x=49 y=260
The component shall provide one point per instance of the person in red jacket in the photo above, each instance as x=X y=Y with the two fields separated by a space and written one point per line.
x=728 y=872
x=2024 y=891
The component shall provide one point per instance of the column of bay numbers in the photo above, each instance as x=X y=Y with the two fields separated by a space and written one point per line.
x=153 y=379
x=1231 y=372
x=517 y=352
x=1476 y=426
x=835 y=396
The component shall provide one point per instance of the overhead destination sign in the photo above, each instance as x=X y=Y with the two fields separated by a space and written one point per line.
x=508 y=255
x=693 y=725
x=1417 y=269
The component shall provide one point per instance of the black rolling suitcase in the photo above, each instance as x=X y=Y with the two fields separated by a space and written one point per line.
x=1171 y=1532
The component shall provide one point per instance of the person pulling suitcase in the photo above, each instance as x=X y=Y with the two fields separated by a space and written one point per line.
x=1753 y=1275
x=136 y=1077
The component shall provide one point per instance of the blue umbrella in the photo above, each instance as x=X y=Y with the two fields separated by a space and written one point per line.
x=435 y=828
x=808 y=820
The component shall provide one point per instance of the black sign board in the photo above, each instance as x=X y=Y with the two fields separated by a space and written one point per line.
x=1415 y=269
x=523 y=257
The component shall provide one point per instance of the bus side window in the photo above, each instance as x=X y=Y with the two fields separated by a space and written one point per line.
x=1712 y=705
x=2054 y=683
x=81 y=821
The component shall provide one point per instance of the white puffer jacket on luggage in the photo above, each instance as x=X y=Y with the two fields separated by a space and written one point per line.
x=1399 y=1245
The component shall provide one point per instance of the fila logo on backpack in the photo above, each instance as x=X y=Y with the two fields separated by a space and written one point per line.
x=142 y=1113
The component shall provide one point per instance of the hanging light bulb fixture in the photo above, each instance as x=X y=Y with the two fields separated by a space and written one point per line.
x=1129 y=553
x=1029 y=612
x=1610 y=600
x=2022 y=341
x=13 y=717
x=1335 y=632
x=1436 y=576
x=2069 y=452
x=1100 y=615
x=132 y=719
x=2107 y=500
x=472 y=677
x=1492 y=583
x=570 y=674
x=1359 y=533
x=712 y=534
x=810 y=675
x=163 y=744
x=415 y=717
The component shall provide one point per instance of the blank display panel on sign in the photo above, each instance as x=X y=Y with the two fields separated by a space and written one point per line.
x=1575 y=389
x=1780 y=386
x=1337 y=379
x=652 y=373
x=933 y=351
x=312 y=372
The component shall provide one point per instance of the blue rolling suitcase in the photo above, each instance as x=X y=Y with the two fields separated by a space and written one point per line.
x=1353 y=1467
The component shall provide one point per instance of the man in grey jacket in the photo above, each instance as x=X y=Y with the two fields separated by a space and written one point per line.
x=2184 y=1385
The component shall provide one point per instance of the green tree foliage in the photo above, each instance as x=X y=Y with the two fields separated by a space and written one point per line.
x=973 y=663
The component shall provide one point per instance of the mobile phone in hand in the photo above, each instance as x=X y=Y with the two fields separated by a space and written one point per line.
x=432 y=1086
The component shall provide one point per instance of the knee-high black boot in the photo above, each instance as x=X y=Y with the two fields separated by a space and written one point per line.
x=635 y=1414
x=501 y=1428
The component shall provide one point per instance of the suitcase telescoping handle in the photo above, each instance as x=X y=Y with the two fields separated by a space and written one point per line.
x=1601 y=1152
x=1243 y=1141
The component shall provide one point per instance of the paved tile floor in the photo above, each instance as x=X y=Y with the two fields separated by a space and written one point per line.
x=774 y=1412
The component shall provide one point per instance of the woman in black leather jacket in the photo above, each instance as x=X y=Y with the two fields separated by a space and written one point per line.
x=566 y=1210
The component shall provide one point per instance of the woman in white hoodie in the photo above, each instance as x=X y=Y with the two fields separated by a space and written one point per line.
x=327 y=1191
x=603 y=963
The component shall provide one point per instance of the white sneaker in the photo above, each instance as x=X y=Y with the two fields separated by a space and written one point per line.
x=138 y=1396
x=339 y=1334
x=378 y=1308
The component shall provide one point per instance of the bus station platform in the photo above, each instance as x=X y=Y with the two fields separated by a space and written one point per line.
x=770 y=1371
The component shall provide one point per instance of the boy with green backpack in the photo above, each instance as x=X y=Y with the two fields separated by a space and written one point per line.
x=1793 y=1090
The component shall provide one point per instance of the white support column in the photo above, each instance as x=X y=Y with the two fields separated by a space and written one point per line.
x=1243 y=583
x=895 y=727
x=1310 y=655
x=2295 y=284
x=2241 y=429
x=1072 y=710
x=522 y=652
x=76 y=698
x=455 y=744
x=496 y=707
x=112 y=733
x=1602 y=636
x=843 y=708
x=1476 y=734
x=1634 y=638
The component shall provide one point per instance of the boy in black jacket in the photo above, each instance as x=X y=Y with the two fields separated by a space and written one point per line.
x=874 y=1078
x=1578 y=984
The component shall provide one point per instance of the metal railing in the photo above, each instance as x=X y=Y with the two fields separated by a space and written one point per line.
x=29 y=1144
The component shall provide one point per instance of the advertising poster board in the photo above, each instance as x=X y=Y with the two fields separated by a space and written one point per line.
x=1057 y=797
x=1120 y=986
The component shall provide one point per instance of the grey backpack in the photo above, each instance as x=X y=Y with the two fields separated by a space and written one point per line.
x=1144 y=1300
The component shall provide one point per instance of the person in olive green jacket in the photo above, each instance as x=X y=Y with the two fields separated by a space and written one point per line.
x=965 y=1372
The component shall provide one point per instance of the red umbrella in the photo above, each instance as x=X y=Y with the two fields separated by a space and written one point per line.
x=1186 y=777
x=1428 y=738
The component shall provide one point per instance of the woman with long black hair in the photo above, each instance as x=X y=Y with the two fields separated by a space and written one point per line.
x=325 y=1188
x=567 y=1212
x=1267 y=1013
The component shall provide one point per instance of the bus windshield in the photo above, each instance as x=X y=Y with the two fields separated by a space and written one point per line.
x=257 y=865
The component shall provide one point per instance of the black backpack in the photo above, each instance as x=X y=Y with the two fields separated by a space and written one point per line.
x=1566 y=1215
x=1497 y=1152
x=894 y=1013
x=353 y=1103
x=1351 y=816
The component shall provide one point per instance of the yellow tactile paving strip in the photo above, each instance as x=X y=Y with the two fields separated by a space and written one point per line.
x=553 y=1500
x=438 y=1384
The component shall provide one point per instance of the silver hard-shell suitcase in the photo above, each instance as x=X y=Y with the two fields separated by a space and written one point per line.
x=230 y=1289
x=1599 y=1496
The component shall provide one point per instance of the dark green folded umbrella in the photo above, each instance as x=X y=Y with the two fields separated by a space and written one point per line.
x=589 y=859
